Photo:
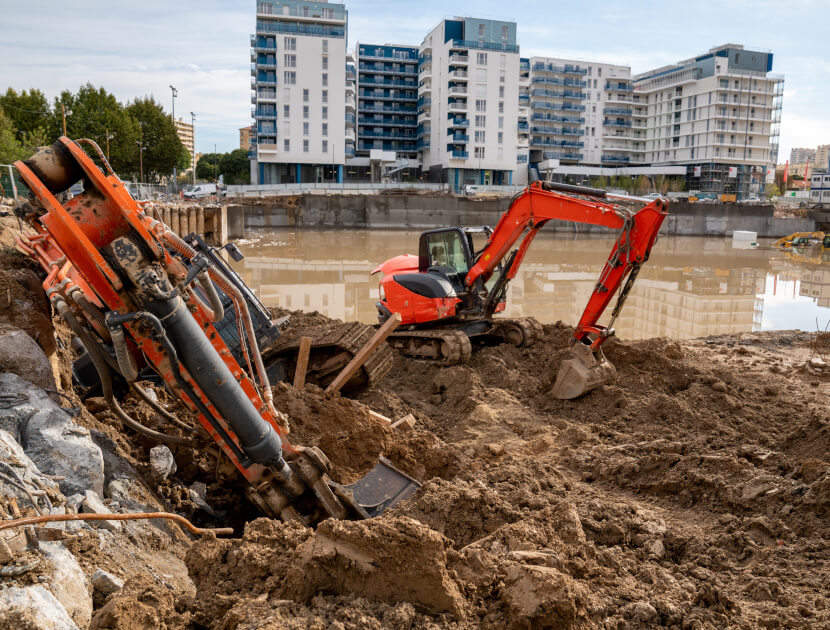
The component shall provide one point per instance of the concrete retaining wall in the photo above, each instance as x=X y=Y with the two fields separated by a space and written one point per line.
x=419 y=212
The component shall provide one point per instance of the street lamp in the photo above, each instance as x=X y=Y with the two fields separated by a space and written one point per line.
x=110 y=136
x=193 y=140
x=141 y=148
x=173 y=114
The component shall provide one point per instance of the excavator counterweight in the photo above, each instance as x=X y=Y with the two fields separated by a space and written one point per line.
x=452 y=290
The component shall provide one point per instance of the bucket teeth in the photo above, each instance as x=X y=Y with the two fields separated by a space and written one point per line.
x=584 y=371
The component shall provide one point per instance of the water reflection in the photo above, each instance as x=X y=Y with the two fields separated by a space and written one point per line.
x=691 y=287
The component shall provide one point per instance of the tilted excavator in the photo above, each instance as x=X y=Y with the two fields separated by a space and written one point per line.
x=137 y=296
x=449 y=293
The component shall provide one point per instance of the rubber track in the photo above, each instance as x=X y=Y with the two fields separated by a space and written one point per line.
x=350 y=337
x=457 y=343
x=530 y=327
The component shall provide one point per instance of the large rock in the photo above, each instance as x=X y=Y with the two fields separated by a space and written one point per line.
x=162 y=463
x=12 y=454
x=20 y=354
x=49 y=437
x=68 y=583
x=33 y=608
x=92 y=504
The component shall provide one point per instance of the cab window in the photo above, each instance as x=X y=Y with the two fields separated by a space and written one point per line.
x=446 y=249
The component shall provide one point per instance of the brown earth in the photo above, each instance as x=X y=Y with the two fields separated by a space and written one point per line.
x=691 y=493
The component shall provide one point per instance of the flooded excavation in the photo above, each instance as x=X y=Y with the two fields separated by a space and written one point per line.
x=691 y=287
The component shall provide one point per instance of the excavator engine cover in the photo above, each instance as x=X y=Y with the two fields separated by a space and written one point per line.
x=584 y=371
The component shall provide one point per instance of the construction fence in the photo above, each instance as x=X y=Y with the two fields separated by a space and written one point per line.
x=11 y=185
x=276 y=190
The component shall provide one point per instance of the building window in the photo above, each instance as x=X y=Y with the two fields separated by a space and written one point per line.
x=325 y=62
x=599 y=72
x=502 y=60
x=479 y=152
x=481 y=121
x=325 y=129
x=481 y=59
x=481 y=89
x=504 y=33
x=325 y=96
x=479 y=137
x=305 y=128
x=305 y=11
x=265 y=8
x=305 y=146
x=328 y=14
x=305 y=96
x=286 y=111
x=501 y=122
x=290 y=61
x=481 y=30
x=500 y=154
x=286 y=145
x=325 y=78
x=290 y=43
x=501 y=107
x=481 y=105
x=305 y=111
x=501 y=76
x=501 y=137
x=289 y=77
x=325 y=146
x=325 y=113
x=501 y=91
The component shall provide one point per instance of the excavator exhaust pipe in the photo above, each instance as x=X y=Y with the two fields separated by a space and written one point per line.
x=584 y=371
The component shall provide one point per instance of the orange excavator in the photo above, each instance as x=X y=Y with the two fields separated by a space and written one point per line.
x=137 y=296
x=449 y=293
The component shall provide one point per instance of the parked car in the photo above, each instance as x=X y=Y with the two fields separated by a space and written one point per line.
x=653 y=196
x=752 y=199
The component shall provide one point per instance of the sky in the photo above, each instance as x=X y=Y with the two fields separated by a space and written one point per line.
x=203 y=48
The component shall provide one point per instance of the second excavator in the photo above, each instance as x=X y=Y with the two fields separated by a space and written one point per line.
x=449 y=293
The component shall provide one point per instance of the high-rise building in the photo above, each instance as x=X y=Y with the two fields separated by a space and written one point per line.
x=185 y=132
x=717 y=115
x=298 y=74
x=387 y=114
x=468 y=102
x=821 y=158
x=801 y=155
x=520 y=174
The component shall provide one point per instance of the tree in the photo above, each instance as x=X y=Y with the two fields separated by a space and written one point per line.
x=92 y=113
x=158 y=134
x=205 y=166
x=28 y=111
x=235 y=167
x=10 y=148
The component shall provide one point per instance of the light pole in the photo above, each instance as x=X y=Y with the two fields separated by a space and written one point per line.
x=193 y=140
x=215 y=161
x=110 y=136
x=141 y=148
x=173 y=114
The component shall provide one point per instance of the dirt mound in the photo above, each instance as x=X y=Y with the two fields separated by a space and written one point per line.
x=142 y=603
x=23 y=303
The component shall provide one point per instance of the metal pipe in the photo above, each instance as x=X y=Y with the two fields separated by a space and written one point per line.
x=53 y=518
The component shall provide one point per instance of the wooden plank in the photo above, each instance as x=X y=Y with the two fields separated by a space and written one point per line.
x=380 y=416
x=302 y=362
x=364 y=353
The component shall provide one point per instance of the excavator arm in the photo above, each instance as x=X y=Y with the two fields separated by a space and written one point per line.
x=528 y=213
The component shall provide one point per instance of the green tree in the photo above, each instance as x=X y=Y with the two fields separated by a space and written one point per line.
x=10 y=148
x=235 y=167
x=28 y=111
x=94 y=112
x=205 y=166
x=158 y=134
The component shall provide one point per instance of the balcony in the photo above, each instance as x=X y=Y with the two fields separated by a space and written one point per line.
x=617 y=111
x=616 y=123
x=459 y=155
x=349 y=151
x=558 y=155
x=554 y=69
x=374 y=81
x=424 y=101
x=524 y=99
x=547 y=142
x=381 y=96
x=266 y=95
x=459 y=43
x=387 y=122
x=389 y=135
x=422 y=144
x=388 y=110
x=619 y=87
x=457 y=106
x=458 y=123
x=350 y=118
x=269 y=64
x=374 y=56
x=560 y=82
x=460 y=75
x=386 y=69
x=265 y=81
x=521 y=159
x=564 y=107
x=458 y=89
x=523 y=126
x=615 y=159
x=557 y=131
x=456 y=59
x=558 y=94
x=568 y=120
x=459 y=137
x=292 y=28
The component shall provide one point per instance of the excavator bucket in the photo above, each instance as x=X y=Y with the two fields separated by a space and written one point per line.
x=584 y=371
x=381 y=488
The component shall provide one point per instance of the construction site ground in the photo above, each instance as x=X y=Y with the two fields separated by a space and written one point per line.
x=691 y=493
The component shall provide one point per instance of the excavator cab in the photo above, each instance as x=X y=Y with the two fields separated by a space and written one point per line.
x=446 y=252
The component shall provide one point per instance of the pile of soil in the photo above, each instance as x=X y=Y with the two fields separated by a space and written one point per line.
x=692 y=492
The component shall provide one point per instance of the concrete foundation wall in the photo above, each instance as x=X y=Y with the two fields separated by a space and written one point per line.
x=419 y=212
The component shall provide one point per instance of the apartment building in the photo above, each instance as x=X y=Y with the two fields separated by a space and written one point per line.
x=717 y=115
x=468 y=97
x=821 y=159
x=520 y=174
x=298 y=70
x=801 y=155
x=245 y=135
x=185 y=132
x=387 y=114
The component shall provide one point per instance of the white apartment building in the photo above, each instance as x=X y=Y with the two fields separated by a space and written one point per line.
x=468 y=87
x=800 y=155
x=298 y=68
x=520 y=174
x=717 y=115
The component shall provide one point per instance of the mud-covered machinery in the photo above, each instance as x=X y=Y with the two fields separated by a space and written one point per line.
x=449 y=293
x=136 y=295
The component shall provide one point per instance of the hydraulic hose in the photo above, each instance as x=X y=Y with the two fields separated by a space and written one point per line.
x=93 y=311
x=217 y=276
x=216 y=311
x=96 y=355
x=126 y=364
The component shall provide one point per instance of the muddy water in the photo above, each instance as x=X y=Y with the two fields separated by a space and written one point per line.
x=691 y=287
